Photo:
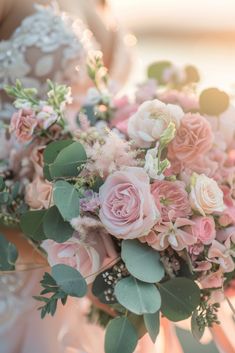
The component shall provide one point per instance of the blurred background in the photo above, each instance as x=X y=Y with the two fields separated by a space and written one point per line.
x=198 y=32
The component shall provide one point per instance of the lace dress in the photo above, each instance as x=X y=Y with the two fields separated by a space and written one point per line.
x=47 y=44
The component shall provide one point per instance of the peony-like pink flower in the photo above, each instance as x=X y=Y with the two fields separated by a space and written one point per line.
x=171 y=234
x=193 y=138
x=171 y=196
x=222 y=255
x=204 y=229
x=187 y=101
x=128 y=209
x=206 y=197
x=38 y=194
x=86 y=255
x=213 y=280
x=227 y=217
x=23 y=124
x=147 y=125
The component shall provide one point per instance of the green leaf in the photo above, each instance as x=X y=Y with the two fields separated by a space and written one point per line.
x=180 y=297
x=50 y=154
x=138 y=322
x=69 y=280
x=4 y=197
x=69 y=161
x=2 y=183
x=197 y=331
x=152 y=324
x=8 y=254
x=120 y=337
x=142 y=261
x=157 y=69
x=213 y=101
x=31 y=224
x=55 y=227
x=66 y=198
x=138 y=297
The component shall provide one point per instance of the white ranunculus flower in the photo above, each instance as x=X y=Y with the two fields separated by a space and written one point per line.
x=151 y=119
x=206 y=197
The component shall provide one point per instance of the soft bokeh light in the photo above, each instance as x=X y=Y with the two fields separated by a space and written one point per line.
x=198 y=32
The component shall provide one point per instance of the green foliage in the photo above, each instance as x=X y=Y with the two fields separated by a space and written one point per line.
x=180 y=297
x=55 y=227
x=51 y=152
x=138 y=297
x=22 y=95
x=213 y=101
x=121 y=336
x=66 y=198
x=57 y=95
x=8 y=254
x=31 y=224
x=63 y=281
x=69 y=280
x=152 y=324
x=196 y=329
x=157 y=69
x=142 y=261
x=138 y=322
x=2 y=184
x=68 y=162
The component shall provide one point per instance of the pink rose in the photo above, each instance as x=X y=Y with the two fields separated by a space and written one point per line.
x=86 y=255
x=127 y=209
x=204 y=229
x=227 y=217
x=171 y=196
x=193 y=138
x=151 y=119
x=38 y=194
x=23 y=124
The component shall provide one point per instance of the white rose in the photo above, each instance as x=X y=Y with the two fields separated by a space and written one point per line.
x=151 y=164
x=151 y=119
x=206 y=197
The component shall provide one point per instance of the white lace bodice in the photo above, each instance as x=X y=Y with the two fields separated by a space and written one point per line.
x=47 y=44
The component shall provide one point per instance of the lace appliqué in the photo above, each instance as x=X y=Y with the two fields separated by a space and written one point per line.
x=47 y=44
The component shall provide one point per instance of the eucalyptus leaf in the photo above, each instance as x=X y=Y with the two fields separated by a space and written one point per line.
x=69 y=161
x=55 y=227
x=4 y=197
x=138 y=297
x=50 y=154
x=152 y=324
x=31 y=224
x=156 y=70
x=142 y=261
x=66 y=198
x=213 y=101
x=121 y=336
x=180 y=297
x=69 y=280
x=2 y=183
x=8 y=254
x=138 y=322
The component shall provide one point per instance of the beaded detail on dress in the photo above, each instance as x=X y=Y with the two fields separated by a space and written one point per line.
x=47 y=44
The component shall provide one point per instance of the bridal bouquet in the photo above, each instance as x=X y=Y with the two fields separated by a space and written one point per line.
x=136 y=205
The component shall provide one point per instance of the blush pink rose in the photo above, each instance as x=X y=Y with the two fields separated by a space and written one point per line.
x=193 y=138
x=87 y=256
x=204 y=229
x=227 y=217
x=38 y=194
x=23 y=124
x=171 y=196
x=128 y=209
